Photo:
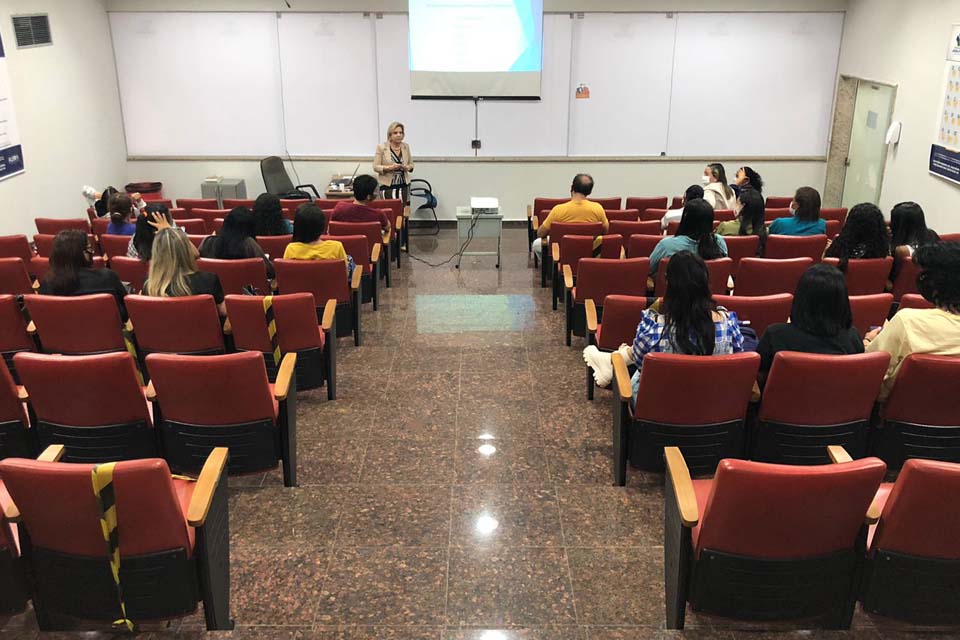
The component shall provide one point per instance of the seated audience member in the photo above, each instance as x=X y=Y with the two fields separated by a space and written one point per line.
x=578 y=209
x=98 y=200
x=695 y=234
x=269 y=215
x=309 y=224
x=687 y=321
x=716 y=191
x=805 y=216
x=747 y=178
x=235 y=241
x=173 y=270
x=750 y=218
x=933 y=331
x=71 y=271
x=361 y=209
x=864 y=236
x=693 y=192
x=154 y=218
x=908 y=230
x=120 y=208
x=820 y=319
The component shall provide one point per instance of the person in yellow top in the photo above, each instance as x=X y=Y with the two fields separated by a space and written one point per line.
x=308 y=225
x=930 y=331
x=579 y=209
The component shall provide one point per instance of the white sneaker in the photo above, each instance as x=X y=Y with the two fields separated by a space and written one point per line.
x=626 y=352
x=601 y=364
x=90 y=194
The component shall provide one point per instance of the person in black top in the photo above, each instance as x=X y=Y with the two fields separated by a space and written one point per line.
x=269 y=216
x=71 y=271
x=236 y=241
x=864 y=236
x=820 y=320
x=173 y=270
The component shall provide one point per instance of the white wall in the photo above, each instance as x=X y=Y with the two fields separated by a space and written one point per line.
x=905 y=43
x=68 y=113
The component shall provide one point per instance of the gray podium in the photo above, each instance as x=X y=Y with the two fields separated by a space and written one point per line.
x=485 y=226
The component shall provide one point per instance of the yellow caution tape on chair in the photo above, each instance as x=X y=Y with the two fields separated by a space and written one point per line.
x=597 y=246
x=272 y=328
x=106 y=501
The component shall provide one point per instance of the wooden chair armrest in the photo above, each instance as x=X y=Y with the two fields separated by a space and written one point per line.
x=529 y=211
x=535 y=223
x=227 y=327
x=838 y=454
x=406 y=211
x=567 y=277
x=11 y=513
x=622 y=378
x=385 y=236
x=591 y=309
x=53 y=453
x=399 y=223
x=679 y=475
x=755 y=394
x=206 y=486
x=623 y=253
x=36 y=285
x=282 y=386
x=873 y=512
x=32 y=328
x=357 y=275
x=375 y=253
x=22 y=394
x=555 y=252
x=151 y=393
x=329 y=313
x=128 y=326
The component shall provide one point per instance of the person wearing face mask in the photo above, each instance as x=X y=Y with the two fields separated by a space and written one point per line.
x=747 y=178
x=804 y=217
x=393 y=163
x=716 y=191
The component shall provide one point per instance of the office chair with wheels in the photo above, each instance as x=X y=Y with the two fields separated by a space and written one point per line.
x=420 y=188
x=277 y=182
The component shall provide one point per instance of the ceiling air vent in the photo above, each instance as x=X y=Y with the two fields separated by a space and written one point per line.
x=32 y=30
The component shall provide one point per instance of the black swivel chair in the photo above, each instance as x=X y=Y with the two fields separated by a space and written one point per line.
x=277 y=182
x=420 y=188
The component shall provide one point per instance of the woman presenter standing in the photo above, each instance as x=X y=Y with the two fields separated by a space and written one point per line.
x=393 y=163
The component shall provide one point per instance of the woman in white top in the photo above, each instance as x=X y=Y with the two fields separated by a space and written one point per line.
x=716 y=191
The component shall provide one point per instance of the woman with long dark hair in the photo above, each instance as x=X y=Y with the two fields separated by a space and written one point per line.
x=156 y=216
x=751 y=215
x=909 y=230
x=864 y=236
x=71 y=271
x=236 y=241
x=269 y=216
x=694 y=234
x=747 y=178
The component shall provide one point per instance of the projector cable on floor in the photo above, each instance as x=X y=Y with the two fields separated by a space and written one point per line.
x=459 y=253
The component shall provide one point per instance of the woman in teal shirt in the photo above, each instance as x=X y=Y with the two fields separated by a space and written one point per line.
x=806 y=219
x=695 y=234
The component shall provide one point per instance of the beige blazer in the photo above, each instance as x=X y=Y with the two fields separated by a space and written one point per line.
x=383 y=158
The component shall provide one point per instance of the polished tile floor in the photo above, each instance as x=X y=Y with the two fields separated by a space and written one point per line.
x=459 y=488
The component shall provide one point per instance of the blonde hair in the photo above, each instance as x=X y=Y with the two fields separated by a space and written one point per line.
x=394 y=125
x=172 y=261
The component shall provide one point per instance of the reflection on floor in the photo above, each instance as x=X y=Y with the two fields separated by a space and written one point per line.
x=460 y=488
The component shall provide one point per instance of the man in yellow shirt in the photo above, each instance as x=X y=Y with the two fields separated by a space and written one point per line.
x=579 y=209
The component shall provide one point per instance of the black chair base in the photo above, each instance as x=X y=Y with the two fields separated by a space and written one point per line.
x=108 y=443
x=16 y=441
x=897 y=442
x=806 y=444
x=702 y=446
x=311 y=369
x=254 y=446
x=13 y=591
x=913 y=589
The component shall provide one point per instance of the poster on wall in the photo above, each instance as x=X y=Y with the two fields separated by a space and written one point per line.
x=11 y=154
x=945 y=150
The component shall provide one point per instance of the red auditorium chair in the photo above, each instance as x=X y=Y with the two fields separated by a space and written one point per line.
x=113 y=246
x=196 y=240
x=626 y=229
x=537 y=213
x=226 y=401
x=950 y=237
x=290 y=207
x=14 y=279
x=233 y=203
x=724 y=215
x=16 y=247
x=839 y=392
x=99 y=225
x=906 y=280
x=557 y=231
x=185 y=325
x=609 y=203
x=621 y=315
x=327 y=204
x=209 y=217
x=915 y=301
x=833 y=229
x=764 y=277
x=740 y=247
x=14 y=338
x=91 y=214
x=274 y=246
x=367 y=262
x=870 y=311
x=707 y=430
x=769 y=215
x=789 y=539
x=325 y=279
x=837 y=214
x=641 y=204
x=786 y=247
x=865 y=277
x=676 y=202
x=217 y=226
x=68 y=405
x=133 y=271
x=719 y=270
x=53 y=226
x=641 y=246
x=371 y=230
x=164 y=201
x=759 y=311
x=76 y=325
x=297 y=332
x=189 y=204
x=921 y=418
x=778 y=202
x=396 y=214
x=16 y=441
x=651 y=215
x=572 y=248
x=234 y=275
x=44 y=243
x=173 y=540
x=13 y=583
x=624 y=215
x=598 y=278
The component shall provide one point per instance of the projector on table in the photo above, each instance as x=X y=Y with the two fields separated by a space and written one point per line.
x=484 y=206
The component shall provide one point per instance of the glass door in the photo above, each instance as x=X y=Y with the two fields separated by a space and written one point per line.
x=868 y=150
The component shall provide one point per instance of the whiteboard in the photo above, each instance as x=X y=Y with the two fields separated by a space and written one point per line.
x=626 y=60
x=433 y=127
x=534 y=128
x=754 y=83
x=329 y=89
x=199 y=84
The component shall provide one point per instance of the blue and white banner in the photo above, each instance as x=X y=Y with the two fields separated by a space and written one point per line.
x=11 y=153
x=945 y=150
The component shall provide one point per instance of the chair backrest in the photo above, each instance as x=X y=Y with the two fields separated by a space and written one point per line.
x=676 y=202
x=651 y=214
x=189 y=204
x=14 y=278
x=234 y=275
x=785 y=247
x=719 y=271
x=608 y=203
x=838 y=214
x=925 y=391
x=870 y=310
x=950 y=237
x=357 y=247
x=560 y=229
x=83 y=391
x=779 y=202
x=627 y=215
x=865 y=276
x=326 y=204
x=837 y=389
x=724 y=215
x=597 y=278
x=546 y=204
x=112 y=245
x=642 y=203
x=290 y=206
x=55 y=500
x=77 y=324
x=740 y=247
x=641 y=246
x=759 y=311
x=132 y=270
x=621 y=315
x=164 y=201
x=190 y=324
x=13 y=326
x=275 y=178
x=295 y=315
x=209 y=217
x=915 y=301
x=626 y=229
x=794 y=512
x=833 y=229
x=325 y=279
x=396 y=208
x=192 y=226
x=44 y=243
x=919 y=518
x=233 y=203
x=274 y=246
x=53 y=226
x=196 y=240
x=15 y=247
x=99 y=225
x=771 y=214
x=212 y=390
x=369 y=229
x=719 y=385
x=575 y=248
x=906 y=280
x=764 y=277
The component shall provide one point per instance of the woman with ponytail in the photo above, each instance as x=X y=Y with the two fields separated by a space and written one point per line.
x=121 y=208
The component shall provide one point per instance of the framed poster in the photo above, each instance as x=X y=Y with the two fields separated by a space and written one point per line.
x=945 y=150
